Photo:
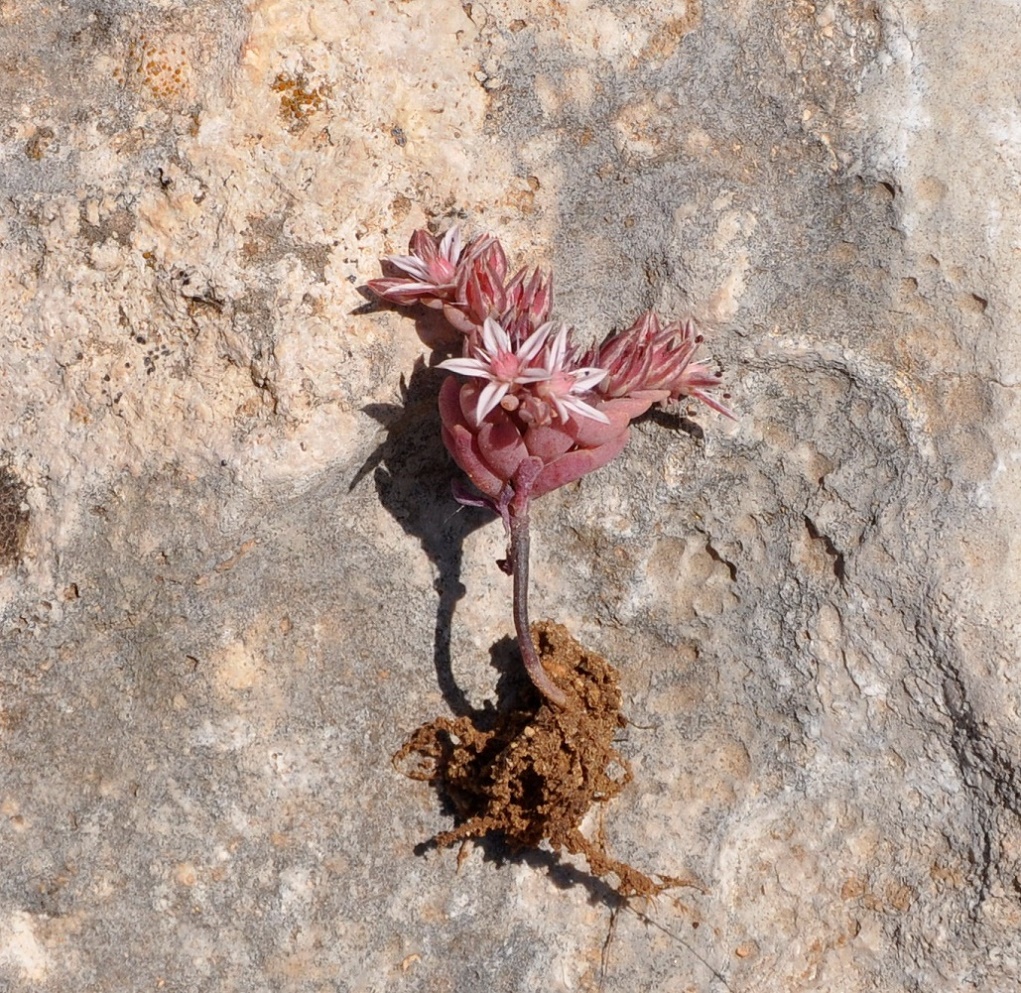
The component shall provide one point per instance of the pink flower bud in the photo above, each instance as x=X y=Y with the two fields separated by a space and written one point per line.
x=481 y=291
x=436 y=269
x=649 y=358
x=527 y=305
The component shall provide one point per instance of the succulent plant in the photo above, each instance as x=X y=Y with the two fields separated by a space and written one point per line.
x=525 y=411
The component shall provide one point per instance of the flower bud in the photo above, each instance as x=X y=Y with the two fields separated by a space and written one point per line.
x=649 y=358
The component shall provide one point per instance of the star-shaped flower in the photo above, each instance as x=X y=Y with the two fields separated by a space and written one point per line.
x=563 y=383
x=497 y=360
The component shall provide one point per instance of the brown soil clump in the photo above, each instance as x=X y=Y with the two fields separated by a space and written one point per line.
x=533 y=773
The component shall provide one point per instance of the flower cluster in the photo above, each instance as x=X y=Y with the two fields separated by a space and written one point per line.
x=533 y=412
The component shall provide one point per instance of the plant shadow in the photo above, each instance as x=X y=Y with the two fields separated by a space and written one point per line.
x=413 y=475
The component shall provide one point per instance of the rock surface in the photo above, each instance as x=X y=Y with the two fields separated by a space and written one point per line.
x=233 y=578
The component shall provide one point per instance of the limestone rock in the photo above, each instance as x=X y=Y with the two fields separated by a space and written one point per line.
x=233 y=578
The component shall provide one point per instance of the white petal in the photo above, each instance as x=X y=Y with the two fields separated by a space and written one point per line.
x=558 y=351
x=531 y=345
x=585 y=379
x=582 y=409
x=450 y=247
x=467 y=367
x=491 y=395
x=412 y=265
x=558 y=402
x=409 y=287
x=495 y=338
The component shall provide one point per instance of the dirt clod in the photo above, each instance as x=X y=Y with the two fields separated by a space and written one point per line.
x=532 y=772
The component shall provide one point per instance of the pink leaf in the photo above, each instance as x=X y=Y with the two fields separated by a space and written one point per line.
x=578 y=463
x=501 y=446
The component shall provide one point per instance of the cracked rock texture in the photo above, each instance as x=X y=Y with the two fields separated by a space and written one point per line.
x=233 y=579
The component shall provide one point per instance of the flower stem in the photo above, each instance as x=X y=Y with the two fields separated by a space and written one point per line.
x=519 y=566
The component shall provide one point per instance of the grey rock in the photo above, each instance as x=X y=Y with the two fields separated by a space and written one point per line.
x=233 y=578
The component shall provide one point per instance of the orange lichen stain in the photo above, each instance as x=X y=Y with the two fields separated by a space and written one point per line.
x=948 y=875
x=37 y=146
x=521 y=200
x=161 y=68
x=298 y=100
x=233 y=560
x=400 y=207
x=898 y=896
x=249 y=408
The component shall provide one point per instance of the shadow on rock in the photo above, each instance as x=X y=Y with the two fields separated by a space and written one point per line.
x=413 y=475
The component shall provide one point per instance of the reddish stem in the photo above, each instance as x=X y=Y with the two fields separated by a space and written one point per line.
x=518 y=555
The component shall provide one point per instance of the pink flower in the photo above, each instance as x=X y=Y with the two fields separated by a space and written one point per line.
x=436 y=269
x=466 y=283
x=649 y=358
x=527 y=421
x=424 y=276
x=498 y=361
x=563 y=382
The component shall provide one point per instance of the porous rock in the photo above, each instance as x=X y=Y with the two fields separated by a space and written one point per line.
x=233 y=579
